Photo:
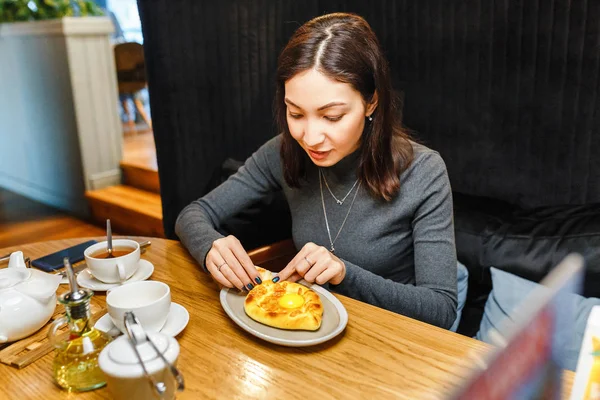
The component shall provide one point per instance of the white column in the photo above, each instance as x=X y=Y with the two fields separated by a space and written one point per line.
x=60 y=131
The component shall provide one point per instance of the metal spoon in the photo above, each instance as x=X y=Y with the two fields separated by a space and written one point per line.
x=129 y=319
x=160 y=387
x=109 y=239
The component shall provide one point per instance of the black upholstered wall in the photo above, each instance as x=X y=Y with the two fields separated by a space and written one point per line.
x=505 y=90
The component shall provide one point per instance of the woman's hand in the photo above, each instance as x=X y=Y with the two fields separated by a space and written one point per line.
x=230 y=265
x=314 y=264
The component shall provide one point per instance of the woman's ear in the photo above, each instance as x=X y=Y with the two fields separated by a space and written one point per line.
x=372 y=105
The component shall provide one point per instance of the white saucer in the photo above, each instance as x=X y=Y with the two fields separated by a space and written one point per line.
x=177 y=320
x=87 y=280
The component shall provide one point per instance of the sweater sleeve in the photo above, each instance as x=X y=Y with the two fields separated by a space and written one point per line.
x=197 y=223
x=432 y=298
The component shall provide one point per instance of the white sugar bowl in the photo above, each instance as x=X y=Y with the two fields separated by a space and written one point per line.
x=128 y=379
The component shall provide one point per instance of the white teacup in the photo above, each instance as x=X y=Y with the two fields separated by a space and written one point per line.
x=113 y=270
x=150 y=301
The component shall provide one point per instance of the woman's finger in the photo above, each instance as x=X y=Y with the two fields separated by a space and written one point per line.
x=325 y=276
x=218 y=266
x=294 y=278
x=225 y=248
x=213 y=268
x=240 y=254
x=313 y=256
x=295 y=265
x=316 y=269
x=232 y=277
x=236 y=267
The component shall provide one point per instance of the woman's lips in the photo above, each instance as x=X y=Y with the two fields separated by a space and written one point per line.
x=318 y=155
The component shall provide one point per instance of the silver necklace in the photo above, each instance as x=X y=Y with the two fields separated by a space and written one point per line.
x=340 y=202
x=321 y=179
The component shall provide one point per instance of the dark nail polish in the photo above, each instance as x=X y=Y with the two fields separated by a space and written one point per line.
x=250 y=286
x=276 y=279
x=258 y=280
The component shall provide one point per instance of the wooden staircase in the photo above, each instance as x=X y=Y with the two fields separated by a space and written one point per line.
x=134 y=207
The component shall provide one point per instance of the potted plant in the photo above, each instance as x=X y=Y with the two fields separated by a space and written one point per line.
x=32 y=10
x=59 y=122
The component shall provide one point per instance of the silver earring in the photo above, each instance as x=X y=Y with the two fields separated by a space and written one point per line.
x=370 y=118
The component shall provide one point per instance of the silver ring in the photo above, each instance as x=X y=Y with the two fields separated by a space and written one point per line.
x=219 y=267
x=309 y=263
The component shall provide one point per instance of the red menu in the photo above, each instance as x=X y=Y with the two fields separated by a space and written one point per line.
x=526 y=368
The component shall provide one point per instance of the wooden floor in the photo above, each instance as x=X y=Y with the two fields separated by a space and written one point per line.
x=26 y=221
x=139 y=150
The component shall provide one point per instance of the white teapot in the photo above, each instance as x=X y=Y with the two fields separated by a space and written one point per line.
x=27 y=299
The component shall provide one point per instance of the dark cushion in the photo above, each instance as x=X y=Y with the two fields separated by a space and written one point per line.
x=527 y=243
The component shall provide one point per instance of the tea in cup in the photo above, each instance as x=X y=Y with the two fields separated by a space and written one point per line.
x=150 y=301
x=119 y=268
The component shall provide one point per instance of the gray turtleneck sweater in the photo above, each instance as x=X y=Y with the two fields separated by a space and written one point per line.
x=399 y=255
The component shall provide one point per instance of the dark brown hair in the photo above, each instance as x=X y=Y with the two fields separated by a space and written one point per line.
x=344 y=48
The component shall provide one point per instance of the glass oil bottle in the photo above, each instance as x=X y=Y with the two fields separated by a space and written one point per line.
x=75 y=366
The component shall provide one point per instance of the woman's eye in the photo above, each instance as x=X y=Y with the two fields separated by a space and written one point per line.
x=295 y=116
x=334 y=119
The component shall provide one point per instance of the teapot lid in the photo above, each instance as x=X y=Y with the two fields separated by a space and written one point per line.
x=122 y=351
x=118 y=358
x=13 y=276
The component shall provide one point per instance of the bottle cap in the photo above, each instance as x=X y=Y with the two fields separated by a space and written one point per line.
x=76 y=300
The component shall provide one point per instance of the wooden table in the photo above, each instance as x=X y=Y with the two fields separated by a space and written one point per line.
x=379 y=355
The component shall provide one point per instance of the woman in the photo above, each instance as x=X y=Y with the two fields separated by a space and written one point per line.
x=371 y=210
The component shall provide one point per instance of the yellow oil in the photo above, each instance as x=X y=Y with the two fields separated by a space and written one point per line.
x=75 y=366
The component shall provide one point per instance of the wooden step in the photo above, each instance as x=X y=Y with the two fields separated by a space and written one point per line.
x=139 y=165
x=131 y=211
x=140 y=176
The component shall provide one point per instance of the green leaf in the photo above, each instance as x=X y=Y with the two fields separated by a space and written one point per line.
x=19 y=10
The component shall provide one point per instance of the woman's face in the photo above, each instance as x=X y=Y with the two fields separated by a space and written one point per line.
x=325 y=116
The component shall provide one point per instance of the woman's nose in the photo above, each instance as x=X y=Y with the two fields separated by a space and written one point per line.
x=314 y=134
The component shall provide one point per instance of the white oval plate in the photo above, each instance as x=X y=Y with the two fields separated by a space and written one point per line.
x=87 y=280
x=335 y=318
